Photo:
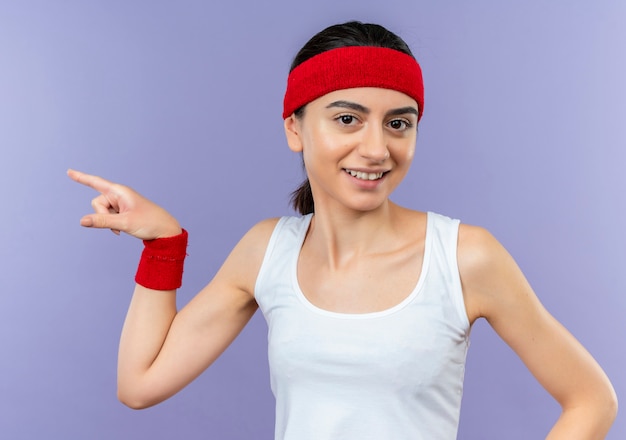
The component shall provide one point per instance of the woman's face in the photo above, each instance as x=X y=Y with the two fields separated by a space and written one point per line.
x=357 y=145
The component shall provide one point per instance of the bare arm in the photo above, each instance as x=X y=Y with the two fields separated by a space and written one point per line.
x=162 y=350
x=495 y=288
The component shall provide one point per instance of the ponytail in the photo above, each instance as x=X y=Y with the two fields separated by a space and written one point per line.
x=302 y=198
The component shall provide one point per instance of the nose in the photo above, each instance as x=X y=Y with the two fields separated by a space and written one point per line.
x=373 y=144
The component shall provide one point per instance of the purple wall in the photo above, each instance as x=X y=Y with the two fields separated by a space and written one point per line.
x=523 y=133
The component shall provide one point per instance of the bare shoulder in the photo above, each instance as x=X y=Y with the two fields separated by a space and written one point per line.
x=487 y=270
x=259 y=235
x=244 y=262
x=477 y=247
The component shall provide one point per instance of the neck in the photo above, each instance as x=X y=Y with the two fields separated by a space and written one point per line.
x=340 y=236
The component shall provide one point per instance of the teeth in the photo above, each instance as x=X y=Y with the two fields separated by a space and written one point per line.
x=365 y=176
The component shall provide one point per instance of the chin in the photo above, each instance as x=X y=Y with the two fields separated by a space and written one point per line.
x=367 y=206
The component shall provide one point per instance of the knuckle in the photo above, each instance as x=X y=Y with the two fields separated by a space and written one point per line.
x=100 y=204
x=99 y=222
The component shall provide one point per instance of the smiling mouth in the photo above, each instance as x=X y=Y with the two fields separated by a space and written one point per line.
x=365 y=176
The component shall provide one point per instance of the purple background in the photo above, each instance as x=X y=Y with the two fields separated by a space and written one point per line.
x=523 y=133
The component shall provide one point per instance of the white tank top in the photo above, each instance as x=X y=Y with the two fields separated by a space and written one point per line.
x=394 y=374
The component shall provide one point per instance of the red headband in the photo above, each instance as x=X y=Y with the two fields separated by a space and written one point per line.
x=353 y=66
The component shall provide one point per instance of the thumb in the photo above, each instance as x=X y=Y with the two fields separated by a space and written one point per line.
x=101 y=221
x=86 y=221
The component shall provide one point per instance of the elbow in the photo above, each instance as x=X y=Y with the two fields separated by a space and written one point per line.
x=609 y=404
x=604 y=409
x=595 y=412
x=141 y=391
x=612 y=406
x=607 y=412
x=135 y=399
x=132 y=402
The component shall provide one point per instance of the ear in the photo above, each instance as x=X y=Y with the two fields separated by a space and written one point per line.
x=292 y=132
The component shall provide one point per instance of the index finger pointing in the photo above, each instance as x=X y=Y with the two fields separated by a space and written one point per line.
x=95 y=182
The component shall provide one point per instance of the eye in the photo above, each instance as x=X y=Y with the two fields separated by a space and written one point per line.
x=346 y=119
x=399 y=124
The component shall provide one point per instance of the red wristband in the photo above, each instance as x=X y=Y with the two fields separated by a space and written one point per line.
x=161 y=263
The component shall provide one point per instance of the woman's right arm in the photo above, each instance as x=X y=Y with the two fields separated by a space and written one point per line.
x=161 y=349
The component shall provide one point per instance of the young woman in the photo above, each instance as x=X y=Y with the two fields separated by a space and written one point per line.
x=369 y=304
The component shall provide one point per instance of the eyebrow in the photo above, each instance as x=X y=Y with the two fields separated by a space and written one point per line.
x=359 y=108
